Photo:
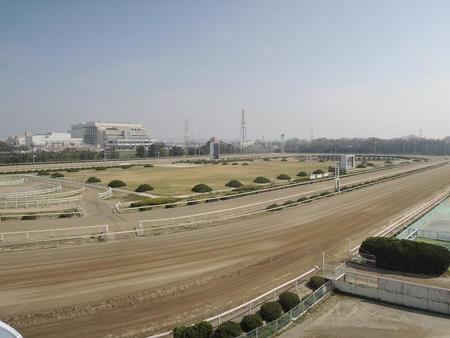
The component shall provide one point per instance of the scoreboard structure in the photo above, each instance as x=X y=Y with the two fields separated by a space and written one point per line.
x=347 y=162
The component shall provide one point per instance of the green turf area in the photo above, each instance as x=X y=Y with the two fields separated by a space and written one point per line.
x=178 y=179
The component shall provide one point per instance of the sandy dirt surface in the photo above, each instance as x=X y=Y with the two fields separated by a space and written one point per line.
x=347 y=317
x=133 y=288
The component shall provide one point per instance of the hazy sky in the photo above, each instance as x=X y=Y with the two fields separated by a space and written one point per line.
x=344 y=68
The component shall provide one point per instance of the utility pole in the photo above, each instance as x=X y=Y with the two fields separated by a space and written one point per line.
x=243 y=130
x=337 y=179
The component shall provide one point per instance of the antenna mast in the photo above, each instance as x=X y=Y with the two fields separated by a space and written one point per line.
x=243 y=130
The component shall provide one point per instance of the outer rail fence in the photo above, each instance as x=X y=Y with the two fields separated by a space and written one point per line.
x=46 y=196
x=120 y=209
x=105 y=195
x=32 y=193
x=247 y=210
x=252 y=305
x=72 y=201
x=36 y=235
x=271 y=329
x=40 y=215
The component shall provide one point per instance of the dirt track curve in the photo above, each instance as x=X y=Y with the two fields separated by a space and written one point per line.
x=136 y=287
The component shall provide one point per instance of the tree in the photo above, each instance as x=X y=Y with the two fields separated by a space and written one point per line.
x=140 y=151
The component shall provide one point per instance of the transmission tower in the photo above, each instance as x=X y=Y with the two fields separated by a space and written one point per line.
x=243 y=130
x=186 y=132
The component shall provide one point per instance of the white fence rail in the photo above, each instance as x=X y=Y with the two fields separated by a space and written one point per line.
x=32 y=193
x=105 y=195
x=36 y=235
x=18 y=204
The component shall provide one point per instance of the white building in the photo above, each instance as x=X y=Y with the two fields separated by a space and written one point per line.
x=347 y=162
x=111 y=134
x=53 y=141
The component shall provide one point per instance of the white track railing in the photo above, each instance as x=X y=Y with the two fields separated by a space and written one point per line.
x=32 y=193
x=73 y=201
x=253 y=304
x=12 y=182
x=104 y=195
x=35 y=235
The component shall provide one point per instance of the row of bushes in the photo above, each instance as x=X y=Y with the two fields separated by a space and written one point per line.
x=268 y=312
x=407 y=256
x=154 y=201
x=44 y=172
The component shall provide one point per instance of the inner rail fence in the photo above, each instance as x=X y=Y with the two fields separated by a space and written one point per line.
x=120 y=209
x=32 y=193
x=251 y=209
x=61 y=233
x=18 y=204
x=46 y=196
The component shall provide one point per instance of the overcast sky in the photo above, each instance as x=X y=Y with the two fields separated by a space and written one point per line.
x=345 y=68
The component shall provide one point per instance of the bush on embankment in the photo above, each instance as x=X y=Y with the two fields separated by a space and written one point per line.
x=144 y=188
x=201 y=188
x=199 y=330
x=93 y=179
x=406 y=255
x=234 y=184
x=116 y=184
x=154 y=201
x=261 y=180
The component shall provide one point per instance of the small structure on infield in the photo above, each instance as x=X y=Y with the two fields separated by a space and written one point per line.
x=347 y=162
x=214 y=149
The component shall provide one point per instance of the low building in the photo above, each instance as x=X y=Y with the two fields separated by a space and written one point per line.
x=111 y=134
x=53 y=141
x=347 y=162
x=214 y=149
x=16 y=140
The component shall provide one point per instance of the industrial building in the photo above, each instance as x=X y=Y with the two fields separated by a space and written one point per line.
x=111 y=134
x=52 y=141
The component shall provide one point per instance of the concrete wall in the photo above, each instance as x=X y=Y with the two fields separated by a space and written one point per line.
x=398 y=292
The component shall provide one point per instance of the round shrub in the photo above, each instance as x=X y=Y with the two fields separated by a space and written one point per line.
x=288 y=300
x=201 y=188
x=224 y=163
x=227 y=329
x=288 y=202
x=316 y=282
x=318 y=172
x=100 y=168
x=283 y=160
x=302 y=174
x=272 y=206
x=144 y=187
x=271 y=311
x=199 y=330
x=245 y=163
x=148 y=165
x=370 y=164
x=361 y=166
x=266 y=159
x=234 y=163
x=261 y=180
x=93 y=179
x=126 y=166
x=116 y=184
x=284 y=177
x=234 y=184
x=43 y=173
x=301 y=199
x=251 y=322
x=56 y=175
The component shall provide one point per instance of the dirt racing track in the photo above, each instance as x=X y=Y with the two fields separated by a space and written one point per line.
x=136 y=287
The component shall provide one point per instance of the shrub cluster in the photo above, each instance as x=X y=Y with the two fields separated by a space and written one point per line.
x=148 y=165
x=227 y=329
x=234 y=184
x=116 y=184
x=251 y=322
x=407 y=256
x=261 y=180
x=144 y=187
x=316 y=282
x=271 y=311
x=201 y=188
x=154 y=201
x=93 y=179
x=199 y=330
x=284 y=177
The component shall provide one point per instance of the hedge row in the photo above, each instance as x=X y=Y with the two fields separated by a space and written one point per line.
x=407 y=256
x=154 y=201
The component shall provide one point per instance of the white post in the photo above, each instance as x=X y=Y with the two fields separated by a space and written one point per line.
x=323 y=264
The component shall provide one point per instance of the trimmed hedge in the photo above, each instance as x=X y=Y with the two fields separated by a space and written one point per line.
x=148 y=165
x=251 y=322
x=288 y=300
x=116 y=184
x=201 y=188
x=93 y=179
x=228 y=329
x=261 y=180
x=144 y=187
x=56 y=175
x=284 y=177
x=271 y=311
x=199 y=330
x=154 y=201
x=234 y=184
x=316 y=282
x=407 y=256
x=43 y=173
x=72 y=170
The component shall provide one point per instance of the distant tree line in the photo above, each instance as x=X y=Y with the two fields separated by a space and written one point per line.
x=406 y=145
